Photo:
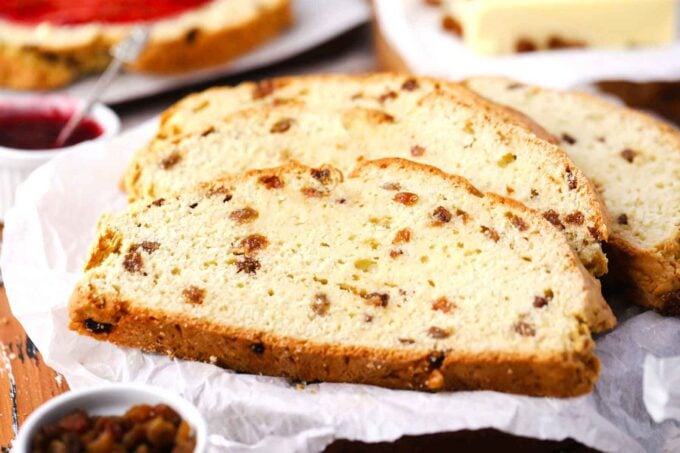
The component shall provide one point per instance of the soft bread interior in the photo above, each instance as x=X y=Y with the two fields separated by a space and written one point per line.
x=440 y=129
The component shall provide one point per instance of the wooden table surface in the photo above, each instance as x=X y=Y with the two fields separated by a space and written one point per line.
x=25 y=381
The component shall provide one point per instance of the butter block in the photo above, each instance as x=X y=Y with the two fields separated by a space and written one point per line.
x=497 y=27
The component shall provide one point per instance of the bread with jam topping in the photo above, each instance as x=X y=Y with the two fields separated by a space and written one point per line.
x=50 y=55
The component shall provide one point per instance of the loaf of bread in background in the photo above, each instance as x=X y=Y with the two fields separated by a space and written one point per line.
x=50 y=56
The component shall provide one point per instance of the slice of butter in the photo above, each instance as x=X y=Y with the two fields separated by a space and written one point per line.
x=507 y=26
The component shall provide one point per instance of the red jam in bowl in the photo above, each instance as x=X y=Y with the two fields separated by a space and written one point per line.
x=76 y=12
x=38 y=129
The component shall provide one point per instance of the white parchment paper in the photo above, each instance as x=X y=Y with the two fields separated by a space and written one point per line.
x=50 y=229
x=413 y=29
x=662 y=374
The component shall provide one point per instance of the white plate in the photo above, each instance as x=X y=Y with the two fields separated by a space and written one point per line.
x=316 y=21
x=413 y=29
x=47 y=235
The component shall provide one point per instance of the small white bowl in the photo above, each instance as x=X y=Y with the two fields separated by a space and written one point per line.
x=17 y=164
x=112 y=399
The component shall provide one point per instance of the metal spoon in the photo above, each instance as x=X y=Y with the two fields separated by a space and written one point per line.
x=124 y=52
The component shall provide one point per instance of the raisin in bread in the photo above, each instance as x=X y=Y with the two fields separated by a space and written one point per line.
x=399 y=276
x=634 y=160
x=446 y=127
x=51 y=55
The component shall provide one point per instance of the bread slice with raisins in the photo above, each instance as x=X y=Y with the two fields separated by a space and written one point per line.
x=385 y=91
x=400 y=276
x=340 y=119
x=214 y=32
x=634 y=161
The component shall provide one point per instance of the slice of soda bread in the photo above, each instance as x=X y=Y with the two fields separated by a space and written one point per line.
x=450 y=128
x=399 y=276
x=395 y=93
x=634 y=160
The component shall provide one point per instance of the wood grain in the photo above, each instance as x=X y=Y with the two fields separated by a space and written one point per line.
x=25 y=381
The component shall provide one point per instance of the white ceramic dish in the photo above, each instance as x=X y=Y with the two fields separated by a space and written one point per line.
x=17 y=164
x=110 y=400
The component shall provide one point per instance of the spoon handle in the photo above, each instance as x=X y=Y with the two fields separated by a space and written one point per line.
x=124 y=52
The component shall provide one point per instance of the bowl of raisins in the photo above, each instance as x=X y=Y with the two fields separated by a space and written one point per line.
x=114 y=418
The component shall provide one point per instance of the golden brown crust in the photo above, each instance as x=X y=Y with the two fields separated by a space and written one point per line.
x=35 y=68
x=200 y=49
x=30 y=68
x=301 y=360
x=652 y=275
x=26 y=71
